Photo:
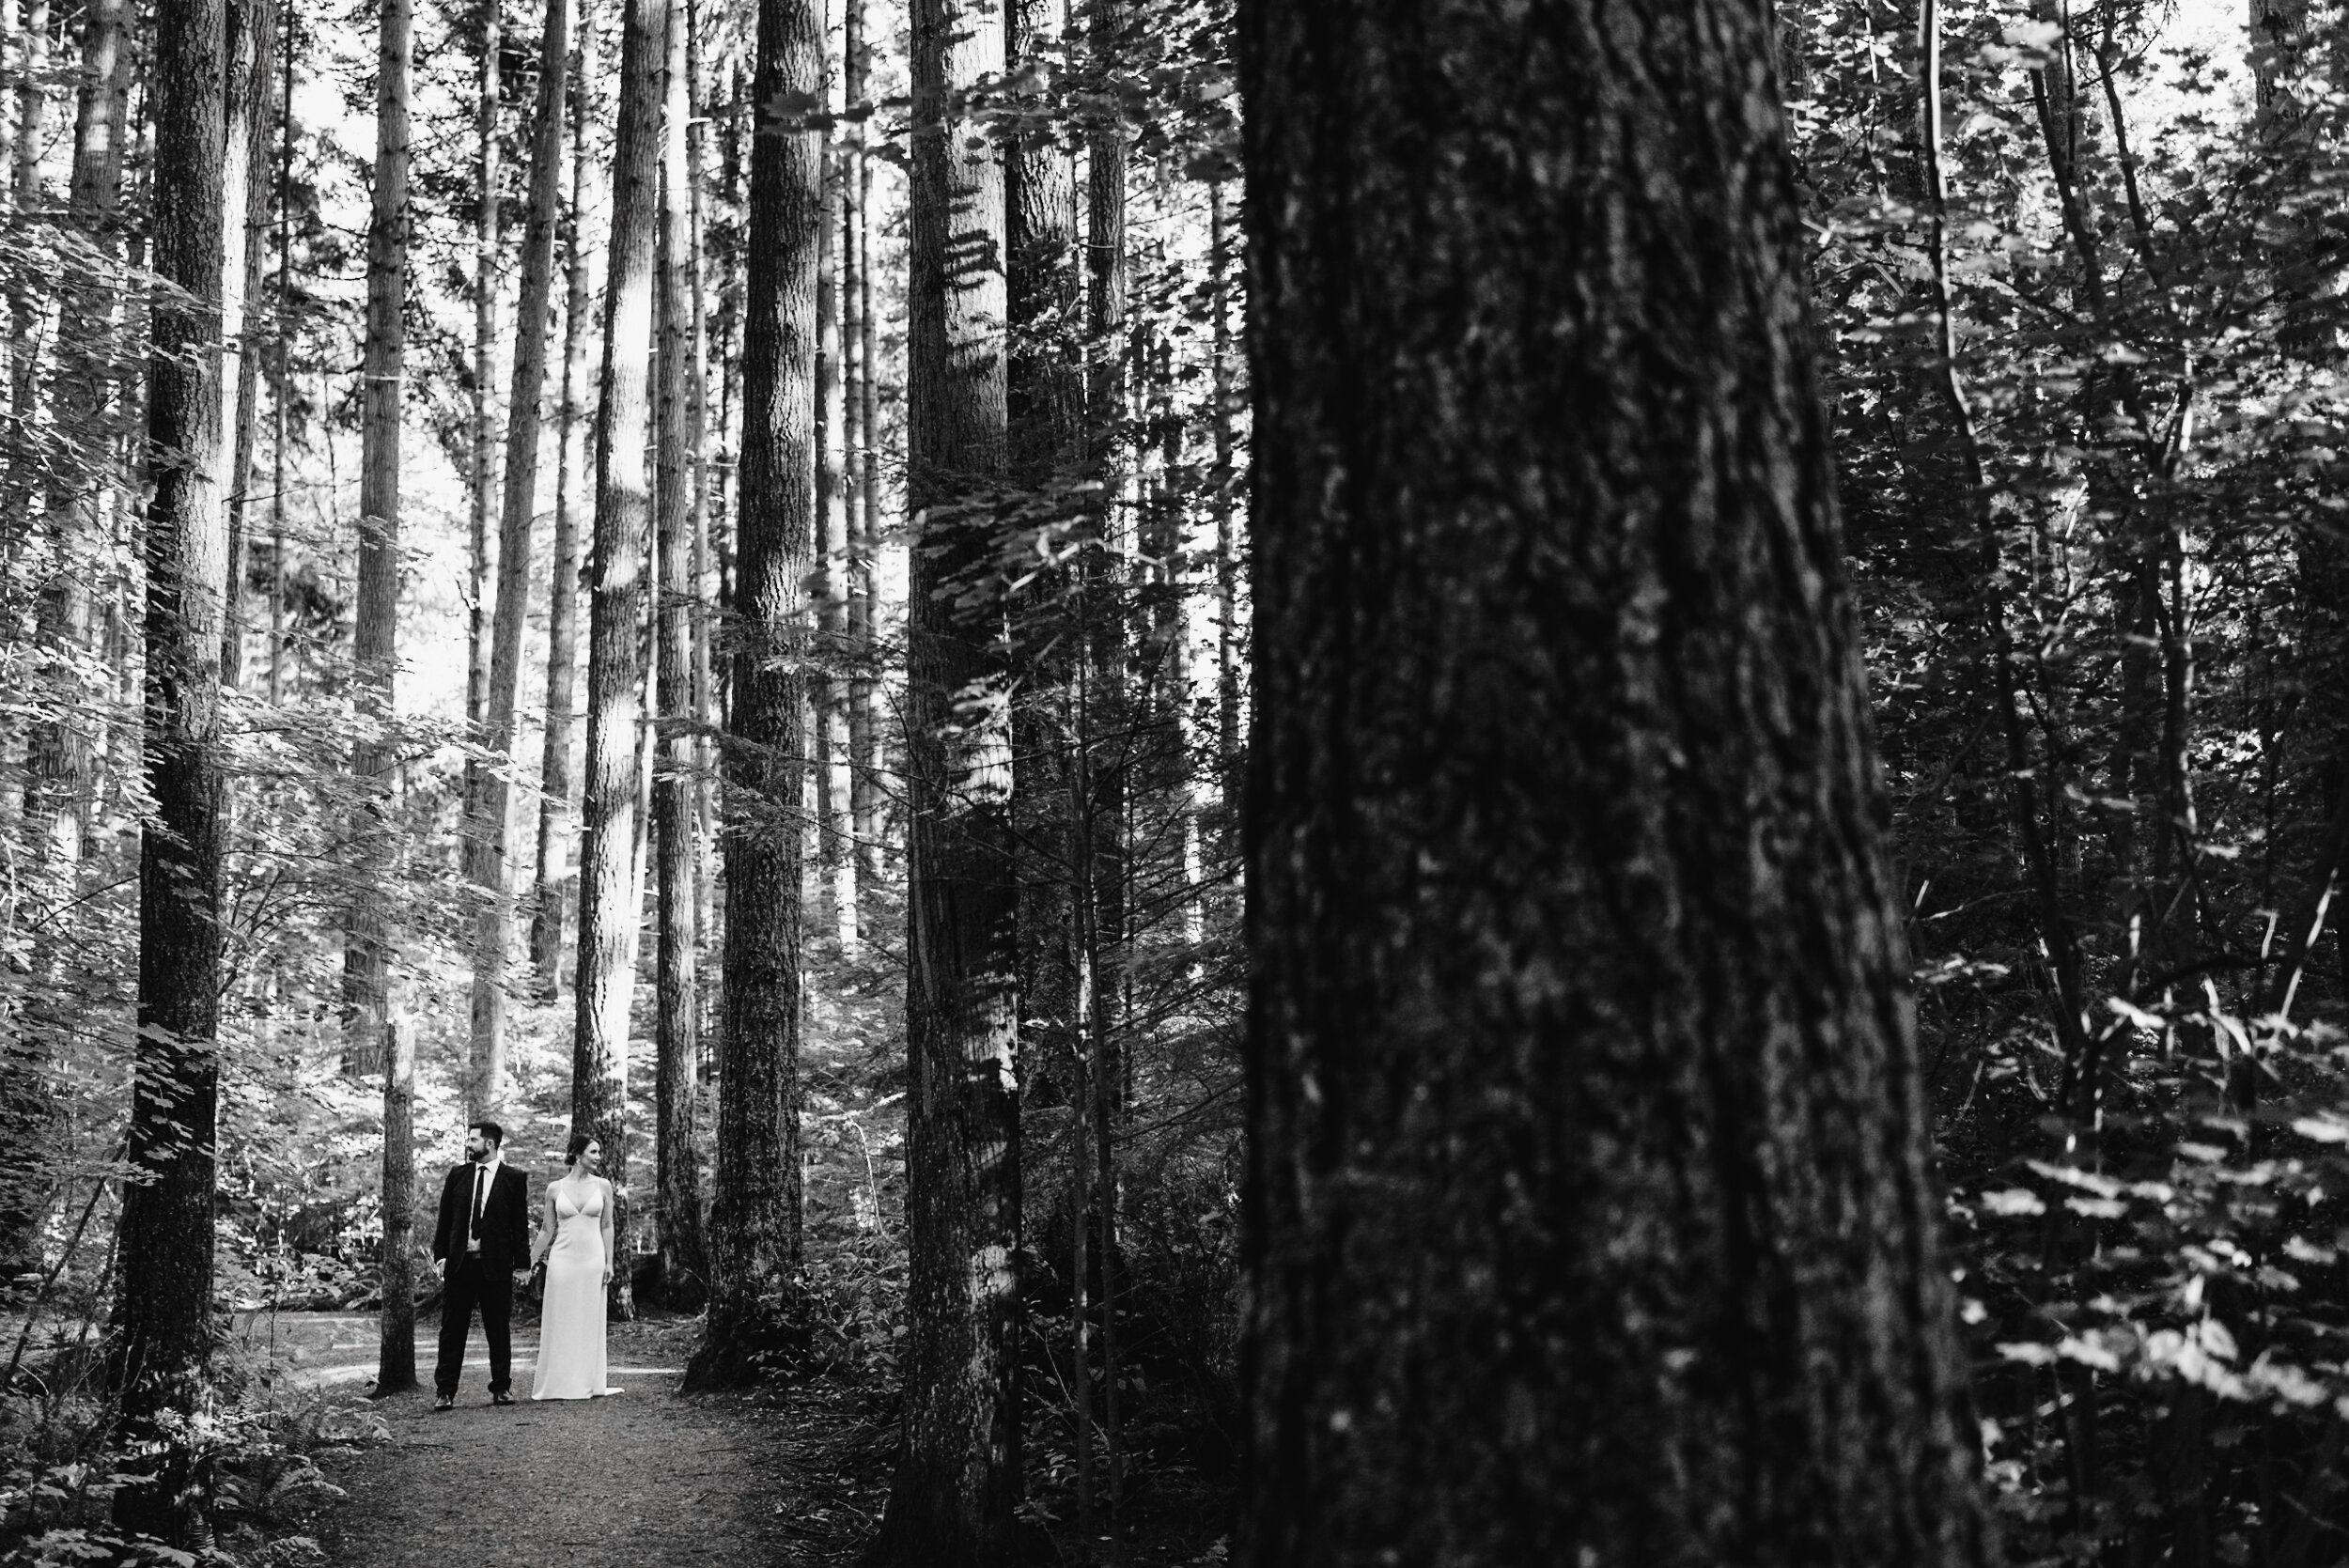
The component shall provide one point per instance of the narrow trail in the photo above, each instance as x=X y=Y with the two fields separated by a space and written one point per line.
x=651 y=1478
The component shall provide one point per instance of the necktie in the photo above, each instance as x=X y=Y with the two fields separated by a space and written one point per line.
x=480 y=1188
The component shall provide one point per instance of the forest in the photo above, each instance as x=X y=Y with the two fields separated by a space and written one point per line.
x=1304 y=783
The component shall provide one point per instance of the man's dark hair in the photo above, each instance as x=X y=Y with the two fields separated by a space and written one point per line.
x=490 y=1130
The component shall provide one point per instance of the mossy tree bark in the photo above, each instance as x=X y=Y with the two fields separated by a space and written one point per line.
x=755 y=1234
x=1589 y=1216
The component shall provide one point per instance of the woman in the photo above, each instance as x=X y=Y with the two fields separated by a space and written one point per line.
x=575 y=1249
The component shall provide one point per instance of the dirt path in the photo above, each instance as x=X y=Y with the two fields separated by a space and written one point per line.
x=651 y=1478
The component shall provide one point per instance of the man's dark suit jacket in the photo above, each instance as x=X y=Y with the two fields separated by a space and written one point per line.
x=504 y=1219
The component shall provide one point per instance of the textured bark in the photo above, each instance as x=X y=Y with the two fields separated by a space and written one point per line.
x=828 y=693
x=704 y=606
x=374 y=643
x=1230 y=645
x=281 y=385
x=58 y=779
x=959 y=1472
x=31 y=108
x=493 y=930
x=162 y=1301
x=1107 y=724
x=551 y=899
x=754 y=1233
x=677 y=1158
x=58 y=753
x=252 y=74
x=610 y=908
x=483 y=485
x=865 y=718
x=1045 y=398
x=1588 y=1212
x=857 y=345
x=395 y=1340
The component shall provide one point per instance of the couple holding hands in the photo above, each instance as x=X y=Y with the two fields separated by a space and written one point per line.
x=483 y=1234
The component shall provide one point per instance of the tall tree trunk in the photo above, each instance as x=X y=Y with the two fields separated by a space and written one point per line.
x=1045 y=397
x=282 y=386
x=856 y=380
x=703 y=607
x=31 y=108
x=550 y=898
x=1107 y=721
x=395 y=1338
x=58 y=776
x=865 y=719
x=1229 y=648
x=609 y=910
x=482 y=488
x=677 y=1157
x=958 y=1473
x=828 y=692
x=1587 y=1209
x=162 y=1301
x=494 y=926
x=252 y=75
x=366 y=957
x=754 y=1233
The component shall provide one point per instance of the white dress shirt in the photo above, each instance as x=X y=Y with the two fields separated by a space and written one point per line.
x=484 y=1177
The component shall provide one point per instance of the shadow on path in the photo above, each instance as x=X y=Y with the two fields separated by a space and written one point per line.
x=650 y=1478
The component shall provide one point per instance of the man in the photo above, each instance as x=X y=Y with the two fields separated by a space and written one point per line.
x=482 y=1243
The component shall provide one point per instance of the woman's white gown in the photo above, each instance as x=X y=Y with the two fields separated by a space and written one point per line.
x=570 y=1326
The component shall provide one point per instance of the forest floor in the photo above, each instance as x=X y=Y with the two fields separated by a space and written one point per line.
x=652 y=1478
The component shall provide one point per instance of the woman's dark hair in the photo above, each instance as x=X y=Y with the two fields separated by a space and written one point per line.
x=578 y=1147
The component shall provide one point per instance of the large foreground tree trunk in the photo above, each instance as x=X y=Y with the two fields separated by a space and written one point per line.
x=609 y=906
x=959 y=1475
x=754 y=1232
x=162 y=1304
x=1588 y=1212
